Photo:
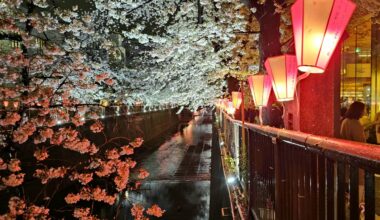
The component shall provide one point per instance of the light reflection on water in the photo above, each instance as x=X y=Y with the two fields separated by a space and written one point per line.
x=174 y=169
x=181 y=200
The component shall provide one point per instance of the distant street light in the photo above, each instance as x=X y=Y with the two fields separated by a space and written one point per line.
x=231 y=179
x=260 y=86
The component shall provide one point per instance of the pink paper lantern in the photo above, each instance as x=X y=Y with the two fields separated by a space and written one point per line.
x=260 y=86
x=283 y=72
x=318 y=26
x=236 y=99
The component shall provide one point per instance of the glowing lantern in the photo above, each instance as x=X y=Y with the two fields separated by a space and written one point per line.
x=16 y=104
x=283 y=71
x=260 y=86
x=236 y=99
x=104 y=102
x=230 y=108
x=5 y=103
x=318 y=26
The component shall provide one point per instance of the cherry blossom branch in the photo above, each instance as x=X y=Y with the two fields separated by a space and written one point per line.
x=139 y=6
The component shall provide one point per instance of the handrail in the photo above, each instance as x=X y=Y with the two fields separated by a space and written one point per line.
x=360 y=154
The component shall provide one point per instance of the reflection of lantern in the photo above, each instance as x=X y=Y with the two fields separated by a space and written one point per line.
x=5 y=103
x=230 y=108
x=236 y=99
x=260 y=86
x=318 y=27
x=16 y=104
x=283 y=71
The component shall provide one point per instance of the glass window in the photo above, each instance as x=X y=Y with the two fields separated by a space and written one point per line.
x=356 y=83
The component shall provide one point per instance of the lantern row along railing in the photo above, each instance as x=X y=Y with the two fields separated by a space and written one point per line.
x=294 y=175
x=318 y=27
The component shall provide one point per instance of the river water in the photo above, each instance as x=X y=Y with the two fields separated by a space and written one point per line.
x=179 y=169
x=176 y=153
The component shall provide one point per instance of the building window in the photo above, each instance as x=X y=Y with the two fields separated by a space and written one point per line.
x=356 y=76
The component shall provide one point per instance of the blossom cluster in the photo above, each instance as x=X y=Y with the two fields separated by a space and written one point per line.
x=97 y=127
x=83 y=214
x=137 y=211
x=18 y=207
x=97 y=194
x=10 y=119
x=47 y=174
x=15 y=178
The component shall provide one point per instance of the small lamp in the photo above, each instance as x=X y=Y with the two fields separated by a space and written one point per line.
x=236 y=99
x=283 y=71
x=260 y=86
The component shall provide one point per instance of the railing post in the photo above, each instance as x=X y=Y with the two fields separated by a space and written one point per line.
x=354 y=192
x=244 y=161
x=277 y=180
x=341 y=194
x=369 y=195
x=313 y=195
x=322 y=188
x=330 y=189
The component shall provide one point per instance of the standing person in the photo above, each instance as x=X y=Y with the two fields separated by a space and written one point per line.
x=351 y=129
x=343 y=111
x=275 y=115
x=251 y=112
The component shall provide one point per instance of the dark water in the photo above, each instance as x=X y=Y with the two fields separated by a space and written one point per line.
x=176 y=152
x=180 y=173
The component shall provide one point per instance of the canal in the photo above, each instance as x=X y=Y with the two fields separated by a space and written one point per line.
x=177 y=154
x=179 y=169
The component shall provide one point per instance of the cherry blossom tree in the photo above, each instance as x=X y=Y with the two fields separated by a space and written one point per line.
x=43 y=75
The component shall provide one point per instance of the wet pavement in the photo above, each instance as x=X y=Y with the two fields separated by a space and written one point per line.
x=179 y=169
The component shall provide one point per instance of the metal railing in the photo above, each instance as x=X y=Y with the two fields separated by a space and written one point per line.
x=294 y=175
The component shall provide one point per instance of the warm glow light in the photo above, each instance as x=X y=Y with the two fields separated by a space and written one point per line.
x=260 y=86
x=283 y=72
x=230 y=108
x=236 y=99
x=225 y=104
x=16 y=104
x=104 y=103
x=5 y=103
x=317 y=28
